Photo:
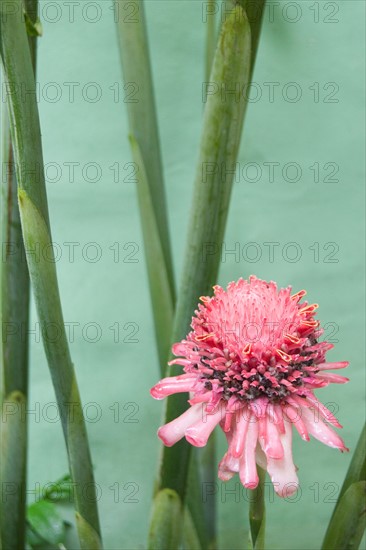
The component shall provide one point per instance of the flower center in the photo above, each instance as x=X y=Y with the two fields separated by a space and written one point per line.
x=256 y=379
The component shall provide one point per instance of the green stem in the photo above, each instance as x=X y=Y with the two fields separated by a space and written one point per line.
x=13 y=457
x=14 y=321
x=223 y=120
x=254 y=11
x=145 y=152
x=134 y=52
x=210 y=9
x=27 y=146
x=219 y=144
x=257 y=512
x=208 y=469
x=194 y=506
x=14 y=294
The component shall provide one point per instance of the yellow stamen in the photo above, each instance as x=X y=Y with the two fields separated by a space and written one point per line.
x=293 y=339
x=247 y=349
x=284 y=355
x=298 y=295
x=309 y=309
x=205 y=336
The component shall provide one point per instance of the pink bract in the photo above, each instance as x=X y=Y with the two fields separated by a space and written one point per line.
x=252 y=361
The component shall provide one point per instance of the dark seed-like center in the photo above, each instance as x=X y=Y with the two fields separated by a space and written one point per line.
x=247 y=388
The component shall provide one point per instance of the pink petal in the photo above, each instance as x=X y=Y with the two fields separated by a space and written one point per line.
x=269 y=438
x=279 y=416
x=214 y=402
x=173 y=384
x=228 y=467
x=294 y=416
x=228 y=421
x=282 y=471
x=327 y=415
x=199 y=433
x=174 y=431
x=200 y=398
x=260 y=458
x=233 y=405
x=315 y=381
x=332 y=366
x=259 y=406
x=181 y=361
x=335 y=378
x=247 y=466
x=318 y=429
x=180 y=348
x=239 y=434
x=276 y=416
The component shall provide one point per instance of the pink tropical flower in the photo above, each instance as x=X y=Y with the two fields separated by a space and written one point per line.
x=252 y=362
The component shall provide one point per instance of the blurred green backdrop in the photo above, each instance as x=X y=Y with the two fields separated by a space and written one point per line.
x=299 y=189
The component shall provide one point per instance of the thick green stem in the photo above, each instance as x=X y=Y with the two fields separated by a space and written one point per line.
x=257 y=512
x=210 y=10
x=134 y=52
x=14 y=295
x=27 y=147
x=208 y=470
x=254 y=11
x=145 y=151
x=219 y=144
x=223 y=119
x=14 y=319
x=14 y=300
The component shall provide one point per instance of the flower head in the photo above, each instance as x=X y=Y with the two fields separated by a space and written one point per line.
x=252 y=361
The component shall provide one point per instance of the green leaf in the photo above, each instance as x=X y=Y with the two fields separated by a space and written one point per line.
x=60 y=490
x=160 y=288
x=33 y=539
x=45 y=523
x=257 y=513
x=260 y=534
x=357 y=468
x=166 y=525
x=356 y=473
x=349 y=521
x=190 y=536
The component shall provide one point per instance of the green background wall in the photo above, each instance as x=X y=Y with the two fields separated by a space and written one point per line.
x=301 y=57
